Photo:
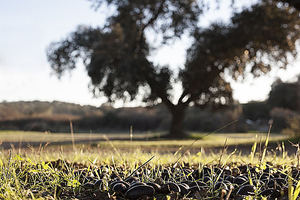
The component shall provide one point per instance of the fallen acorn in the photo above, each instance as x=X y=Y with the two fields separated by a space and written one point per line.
x=156 y=186
x=140 y=191
x=266 y=192
x=235 y=172
x=230 y=178
x=119 y=188
x=98 y=185
x=226 y=172
x=272 y=193
x=131 y=179
x=118 y=181
x=246 y=190
x=220 y=185
x=133 y=184
x=170 y=188
x=243 y=169
x=184 y=189
x=197 y=183
x=240 y=180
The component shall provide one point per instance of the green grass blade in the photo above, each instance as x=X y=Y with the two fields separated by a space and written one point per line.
x=290 y=188
x=297 y=191
x=253 y=150
x=266 y=144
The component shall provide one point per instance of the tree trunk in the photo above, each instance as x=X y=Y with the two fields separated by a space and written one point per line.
x=177 y=126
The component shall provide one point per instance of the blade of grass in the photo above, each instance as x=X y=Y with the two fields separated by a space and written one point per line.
x=297 y=191
x=290 y=187
x=145 y=163
x=113 y=146
x=223 y=151
x=266 y=142
x=72 y=135
x=253 y=150
x=190 y=146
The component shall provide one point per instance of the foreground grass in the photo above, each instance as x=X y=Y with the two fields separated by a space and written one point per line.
x=28 y=174
x=63 y=172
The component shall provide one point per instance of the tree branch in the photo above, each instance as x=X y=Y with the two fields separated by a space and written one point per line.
x=155 y=16
x=152 y=83
x=160 y=93
x=167 y=102
x=151 y=20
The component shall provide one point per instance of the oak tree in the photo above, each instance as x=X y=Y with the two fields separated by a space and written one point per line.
x=116 y=55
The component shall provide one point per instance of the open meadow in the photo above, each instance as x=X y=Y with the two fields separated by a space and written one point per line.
x=152 y=140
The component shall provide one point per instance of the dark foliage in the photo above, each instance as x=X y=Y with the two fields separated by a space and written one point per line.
x=285 y=95
x=256 y=110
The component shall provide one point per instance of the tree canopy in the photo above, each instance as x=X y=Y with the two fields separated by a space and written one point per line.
x=285 y=95
x=116 y=56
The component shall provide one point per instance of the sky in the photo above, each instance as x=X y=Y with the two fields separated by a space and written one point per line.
x=28 y=27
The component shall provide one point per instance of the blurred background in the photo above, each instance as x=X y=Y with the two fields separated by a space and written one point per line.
x=218 y=61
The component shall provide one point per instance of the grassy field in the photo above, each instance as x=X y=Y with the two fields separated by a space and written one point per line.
x=31 y=136
x=139 y=139
x=96 y=163
x=144 y=142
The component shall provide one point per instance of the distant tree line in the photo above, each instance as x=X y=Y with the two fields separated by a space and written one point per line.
x=283 y=106
x=155 y=118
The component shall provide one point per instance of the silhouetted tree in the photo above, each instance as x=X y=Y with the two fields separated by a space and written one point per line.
x=116 y=55
x=256 y=110
x=285 y=95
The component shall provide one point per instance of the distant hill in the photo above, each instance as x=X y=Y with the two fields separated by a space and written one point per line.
x=55 y=110
x=55 y=117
